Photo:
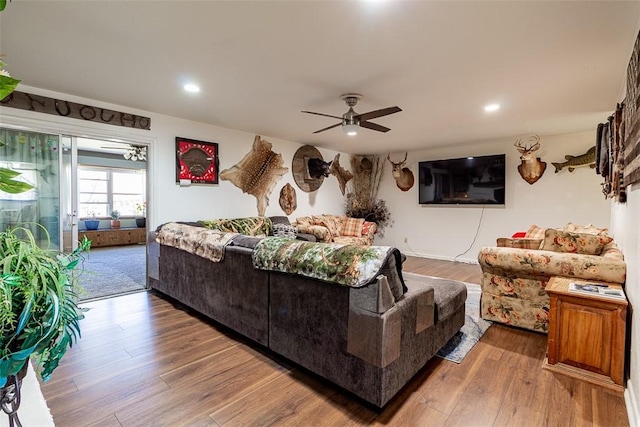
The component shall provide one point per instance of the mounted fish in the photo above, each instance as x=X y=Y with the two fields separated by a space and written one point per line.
x=572 y=162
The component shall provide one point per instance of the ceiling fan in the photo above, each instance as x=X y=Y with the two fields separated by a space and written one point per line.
x=350 y=121
x=131 y=152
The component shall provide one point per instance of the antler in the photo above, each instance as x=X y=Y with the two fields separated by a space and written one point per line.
x=399 y=163
x=525 y=147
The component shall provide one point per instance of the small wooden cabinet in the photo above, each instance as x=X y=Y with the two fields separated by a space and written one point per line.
x=586 y=334
x=115 y=236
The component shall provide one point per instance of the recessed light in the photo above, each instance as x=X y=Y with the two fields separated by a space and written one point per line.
x=190 y=87
x=491 y=108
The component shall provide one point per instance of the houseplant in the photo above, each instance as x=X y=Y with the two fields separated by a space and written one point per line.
x=39 y=316
x=141 y=210
x=115 y=218
x=92 y=223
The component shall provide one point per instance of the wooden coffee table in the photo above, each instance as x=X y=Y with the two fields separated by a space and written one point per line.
x=586 y=334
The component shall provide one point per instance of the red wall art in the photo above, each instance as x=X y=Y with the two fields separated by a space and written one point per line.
x=196 y=161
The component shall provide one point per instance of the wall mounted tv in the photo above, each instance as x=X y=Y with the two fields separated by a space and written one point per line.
x=465 y=181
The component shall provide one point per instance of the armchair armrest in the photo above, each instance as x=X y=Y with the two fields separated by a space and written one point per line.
x=530 y=263
x=369 y=229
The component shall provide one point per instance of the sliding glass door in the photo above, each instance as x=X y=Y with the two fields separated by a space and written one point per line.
x=68 y=192
x=36 y=157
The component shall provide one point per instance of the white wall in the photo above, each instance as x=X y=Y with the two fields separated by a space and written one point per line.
x=166 y=200
x=444 y=232
x=625 y=227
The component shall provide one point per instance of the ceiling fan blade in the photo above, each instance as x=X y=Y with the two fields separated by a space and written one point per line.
x=321 y=114
x=114 y=148
x=378 y=113
x=374 y=126
x=330 y=127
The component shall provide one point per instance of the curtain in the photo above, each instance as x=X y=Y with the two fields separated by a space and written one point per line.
x=36 y=157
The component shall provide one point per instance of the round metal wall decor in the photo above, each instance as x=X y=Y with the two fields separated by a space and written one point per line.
x=300 y=168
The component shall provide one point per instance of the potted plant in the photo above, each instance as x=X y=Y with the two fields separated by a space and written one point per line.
x=115 y=219
x=39 y=316
x=141 y=209
x=92 y=223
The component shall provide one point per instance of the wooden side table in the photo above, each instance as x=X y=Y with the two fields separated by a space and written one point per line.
x=586 y=334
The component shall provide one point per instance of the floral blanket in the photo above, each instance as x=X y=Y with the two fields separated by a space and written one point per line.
x=199 y=241
x=347 y=265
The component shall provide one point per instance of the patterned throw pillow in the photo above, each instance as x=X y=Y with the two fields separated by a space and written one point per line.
x=586 y=229
x=353 y=227
x=535 y=232
x=368 y=226
x=524 y=243
x=580 y=243
x=283 y=230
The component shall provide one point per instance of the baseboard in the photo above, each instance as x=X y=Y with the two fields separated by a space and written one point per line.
x=441 y=258
x=633 y=406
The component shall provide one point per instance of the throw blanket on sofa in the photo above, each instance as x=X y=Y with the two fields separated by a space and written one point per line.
x=347 y=265
x=199 y=241
x=251 y=226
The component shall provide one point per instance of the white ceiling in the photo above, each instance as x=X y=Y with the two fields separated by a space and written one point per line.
x=555 y=67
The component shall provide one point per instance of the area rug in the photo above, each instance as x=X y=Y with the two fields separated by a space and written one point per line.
x=33 y=410
x=472 y=330
x=112 y=271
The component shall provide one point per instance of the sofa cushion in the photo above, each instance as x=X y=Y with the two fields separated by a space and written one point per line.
x=283 y=230
x=586 y=229
x=352 y=227
x=368 y=226
x=280 y=220
x=245 y=241
x=524 y=243
x=580 y=243
x=535 y=232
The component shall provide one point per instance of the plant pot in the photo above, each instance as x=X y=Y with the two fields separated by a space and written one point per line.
x=92 y=224
x=10 y=395
x=141 y=222
x=115 y=223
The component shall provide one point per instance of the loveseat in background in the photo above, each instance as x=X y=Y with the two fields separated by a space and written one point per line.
x=515 y=273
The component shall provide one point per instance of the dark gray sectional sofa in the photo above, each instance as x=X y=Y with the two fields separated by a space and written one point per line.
x=363 y=339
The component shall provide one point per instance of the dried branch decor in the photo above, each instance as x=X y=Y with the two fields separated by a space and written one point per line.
x=362 y=198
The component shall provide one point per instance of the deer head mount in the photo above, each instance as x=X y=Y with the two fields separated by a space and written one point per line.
x=531 y=168
x=403 y=176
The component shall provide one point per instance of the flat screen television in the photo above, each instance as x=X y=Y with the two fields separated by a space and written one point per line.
x=466 y=181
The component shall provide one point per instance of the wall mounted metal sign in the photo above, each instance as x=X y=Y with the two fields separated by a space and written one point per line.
x=59 y=107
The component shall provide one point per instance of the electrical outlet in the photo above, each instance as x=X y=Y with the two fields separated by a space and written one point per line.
x=406 y=240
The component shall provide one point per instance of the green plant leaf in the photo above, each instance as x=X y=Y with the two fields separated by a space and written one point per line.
x=7 y=85
x=8 y=173
x=9 y=185
x=3 y=4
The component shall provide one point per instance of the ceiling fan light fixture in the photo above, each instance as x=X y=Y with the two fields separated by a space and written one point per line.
x=136 y=153
x=350 y=129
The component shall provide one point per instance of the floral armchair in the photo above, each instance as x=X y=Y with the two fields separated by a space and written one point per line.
x=516 y=272
x=338 y=229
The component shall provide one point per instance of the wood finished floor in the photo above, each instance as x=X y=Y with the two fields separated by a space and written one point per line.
x=144 y=362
